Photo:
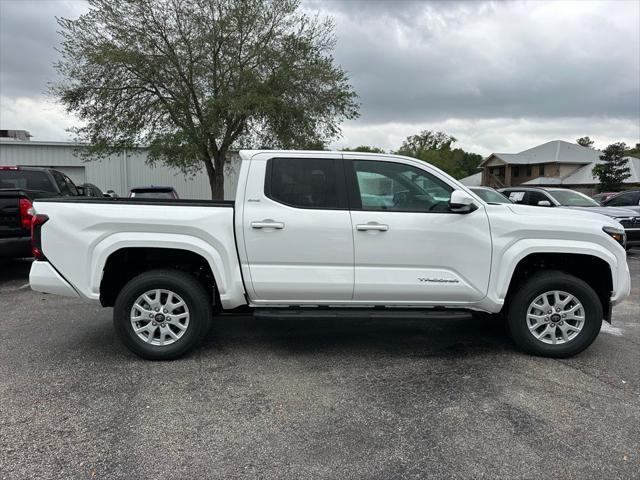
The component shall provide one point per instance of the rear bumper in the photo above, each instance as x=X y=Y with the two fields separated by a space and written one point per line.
x=19 y=247
x=44 y=278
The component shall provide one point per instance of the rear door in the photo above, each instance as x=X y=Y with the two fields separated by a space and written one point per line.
x=297 y=230
x=409 y=248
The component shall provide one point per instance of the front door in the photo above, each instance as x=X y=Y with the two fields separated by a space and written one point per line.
x=297 y=230
x=409 y=248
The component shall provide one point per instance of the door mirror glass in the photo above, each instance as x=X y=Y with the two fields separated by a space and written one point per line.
x=461 y=202
x=544 y=203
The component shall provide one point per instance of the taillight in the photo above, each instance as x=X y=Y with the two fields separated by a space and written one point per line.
x=26 y=213
x=36 y=236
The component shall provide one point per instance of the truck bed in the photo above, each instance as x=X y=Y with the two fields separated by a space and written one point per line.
x=82 y=233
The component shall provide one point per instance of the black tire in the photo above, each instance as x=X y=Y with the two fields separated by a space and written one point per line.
x=188 y=288
x=549 y=281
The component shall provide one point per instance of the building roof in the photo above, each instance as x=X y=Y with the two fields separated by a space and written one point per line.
x=544 y=181
x=584 y=175
x=474 y=180
x=555 y=151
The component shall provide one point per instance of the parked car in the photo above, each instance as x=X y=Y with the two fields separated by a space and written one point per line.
x=563 y=197
x=90 y=190
x=604 y=196
x=19 y=187
x=154 y=192
x=299 y=241
x=490 y=195
x=629 y=199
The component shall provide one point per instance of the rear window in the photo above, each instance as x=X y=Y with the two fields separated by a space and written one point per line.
x=152 y=194
x=26 y=180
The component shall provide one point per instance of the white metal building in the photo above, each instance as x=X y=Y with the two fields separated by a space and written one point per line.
x=118 y=172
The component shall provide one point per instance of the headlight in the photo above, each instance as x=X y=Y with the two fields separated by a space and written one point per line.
x=617 y=234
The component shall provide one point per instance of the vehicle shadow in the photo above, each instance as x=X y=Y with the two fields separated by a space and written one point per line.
x=15 y=270
x=441 y=335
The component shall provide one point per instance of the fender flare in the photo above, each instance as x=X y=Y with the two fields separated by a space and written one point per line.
x=511 y=257
x=107 y=246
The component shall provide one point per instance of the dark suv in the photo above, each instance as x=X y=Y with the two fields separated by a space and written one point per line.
x=563 y=197
x=630 y=200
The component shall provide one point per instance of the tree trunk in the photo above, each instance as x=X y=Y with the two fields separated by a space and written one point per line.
x=215 y=171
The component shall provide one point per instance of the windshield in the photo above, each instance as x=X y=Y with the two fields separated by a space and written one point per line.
x=569 y=198
x=490 y=196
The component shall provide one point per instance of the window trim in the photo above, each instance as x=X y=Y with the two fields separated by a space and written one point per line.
x=341 y=188
x=353 y=188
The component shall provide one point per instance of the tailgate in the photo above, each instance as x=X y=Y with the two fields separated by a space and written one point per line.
x=10 y=215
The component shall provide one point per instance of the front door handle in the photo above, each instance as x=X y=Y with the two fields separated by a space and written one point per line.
x=267 y=224
x=372 y=226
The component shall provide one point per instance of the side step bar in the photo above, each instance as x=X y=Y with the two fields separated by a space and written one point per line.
x=320 y=312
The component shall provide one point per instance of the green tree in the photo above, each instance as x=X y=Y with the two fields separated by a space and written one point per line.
x=426 y=140
x=633 y=152
x=585 y=142
x=615 y=169
x=435 y=148
x=191 y=78
x=364 y=148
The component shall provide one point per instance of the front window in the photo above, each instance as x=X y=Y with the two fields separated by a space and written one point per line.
x=62 y=184
x=399 y=187
x=569 y=198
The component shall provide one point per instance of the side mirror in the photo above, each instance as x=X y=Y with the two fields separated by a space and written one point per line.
x=544 y=203
x=461 y=202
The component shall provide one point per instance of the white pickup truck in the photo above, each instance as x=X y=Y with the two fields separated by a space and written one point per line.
x=332 y=233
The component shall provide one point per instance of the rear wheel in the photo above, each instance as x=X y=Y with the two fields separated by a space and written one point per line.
x=162 y=314
x=554 y=315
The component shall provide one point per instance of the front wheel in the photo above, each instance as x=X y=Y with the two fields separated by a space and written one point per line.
x=162 y=314
x=554 y=315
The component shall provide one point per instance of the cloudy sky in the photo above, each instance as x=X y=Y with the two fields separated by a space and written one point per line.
x=499 y=76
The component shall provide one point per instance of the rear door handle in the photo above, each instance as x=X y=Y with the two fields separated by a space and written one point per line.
x=372 y=226
x=267 y=224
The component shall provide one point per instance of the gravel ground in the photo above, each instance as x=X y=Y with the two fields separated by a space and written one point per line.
x=439 y=398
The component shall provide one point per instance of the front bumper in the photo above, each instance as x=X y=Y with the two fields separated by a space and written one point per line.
x=633 y=236
x=622 y=287
x=18 y=247
x=44 y=278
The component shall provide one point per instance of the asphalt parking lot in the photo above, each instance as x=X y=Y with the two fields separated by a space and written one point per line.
x=437 y=398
